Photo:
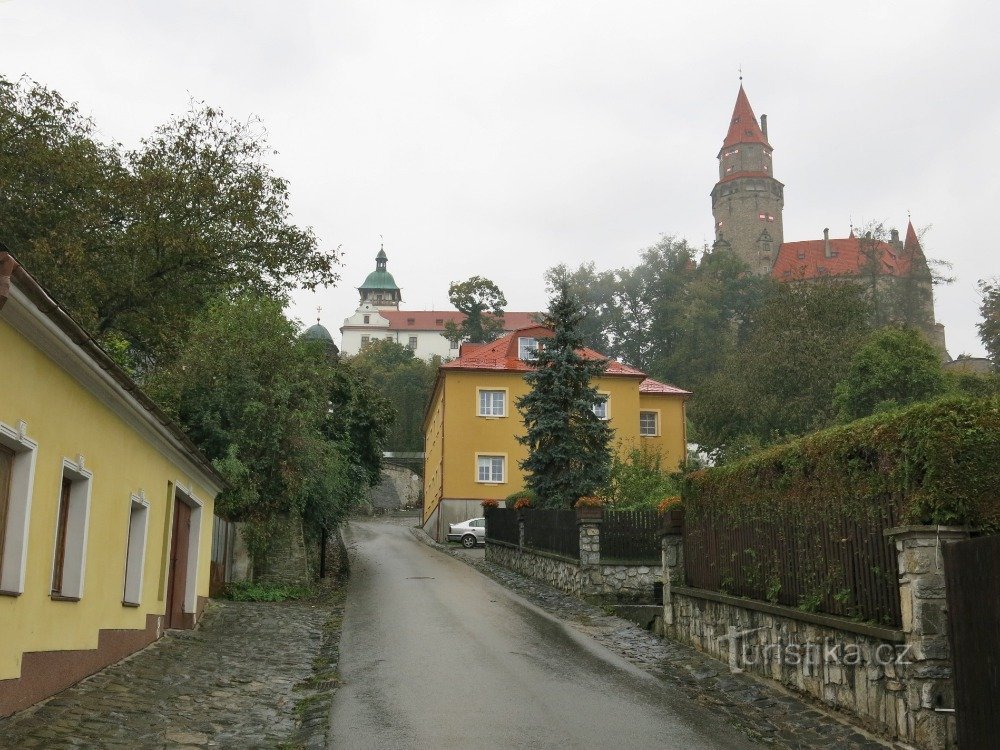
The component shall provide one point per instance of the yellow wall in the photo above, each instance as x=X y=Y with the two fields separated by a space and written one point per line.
x=66 y=421
x=433 y=453
x=466 y=434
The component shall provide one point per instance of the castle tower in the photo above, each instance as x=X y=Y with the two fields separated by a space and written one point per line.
x=747 y=201
x=379 y=289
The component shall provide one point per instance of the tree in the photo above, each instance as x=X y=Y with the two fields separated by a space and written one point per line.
x=989 y=327
x=482 y=303
x=894 y=367
x=779 y=382
x=405 y=382
x=596 y=291
x=128 y=239
x=568 y=446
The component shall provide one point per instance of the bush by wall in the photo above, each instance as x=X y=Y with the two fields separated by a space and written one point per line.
x=800 y=524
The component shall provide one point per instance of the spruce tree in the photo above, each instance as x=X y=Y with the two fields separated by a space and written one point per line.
x=568 y=446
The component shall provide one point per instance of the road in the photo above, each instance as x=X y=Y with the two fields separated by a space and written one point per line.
x=436 y=655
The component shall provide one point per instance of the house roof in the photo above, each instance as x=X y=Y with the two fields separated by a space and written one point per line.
x=430 y=320
x=850 y=256
x=655 y=386
x=501 y=355
x=379 y=280
x=13 y=274
x=743 y=127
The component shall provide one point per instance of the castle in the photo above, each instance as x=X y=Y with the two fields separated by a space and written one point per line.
x=747 y=204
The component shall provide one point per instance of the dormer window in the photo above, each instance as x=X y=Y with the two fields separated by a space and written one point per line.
x=439 y=322
x=410 y=321
x=368 y=319
x=527 y=348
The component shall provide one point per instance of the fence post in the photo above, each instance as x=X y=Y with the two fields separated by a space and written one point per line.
x=588 y=519
x=672 y=559
x=925 y=669
x=520 y=531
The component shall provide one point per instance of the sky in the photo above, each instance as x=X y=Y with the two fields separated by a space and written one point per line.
x=502 y=137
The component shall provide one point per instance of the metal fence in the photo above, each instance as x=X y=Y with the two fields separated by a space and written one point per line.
x=502 y=526
x=631 y=536
x=552 y=531
x=840 y=567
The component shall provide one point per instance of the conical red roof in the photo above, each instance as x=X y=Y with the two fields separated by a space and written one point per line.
x=744 y=127
x=911 y=241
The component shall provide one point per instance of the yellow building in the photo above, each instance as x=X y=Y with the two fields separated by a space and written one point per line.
x=105 y=506
x=471 y=426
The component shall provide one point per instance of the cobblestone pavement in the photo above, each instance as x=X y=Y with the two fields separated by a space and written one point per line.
x=252 y=675
x=768 y=714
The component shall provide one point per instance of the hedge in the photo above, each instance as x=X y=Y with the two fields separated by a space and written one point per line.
x=934 y=463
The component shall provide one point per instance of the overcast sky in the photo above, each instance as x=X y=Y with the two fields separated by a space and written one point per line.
x=499 y=137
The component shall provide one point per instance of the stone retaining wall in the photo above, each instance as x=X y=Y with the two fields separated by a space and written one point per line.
x=561 y=573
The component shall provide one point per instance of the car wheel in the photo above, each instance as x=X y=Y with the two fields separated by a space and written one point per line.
x=468 y=541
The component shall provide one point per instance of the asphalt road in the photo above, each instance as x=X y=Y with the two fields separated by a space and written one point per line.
x=436 y=655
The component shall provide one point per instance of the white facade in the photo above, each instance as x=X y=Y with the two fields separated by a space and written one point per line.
x=369 y=323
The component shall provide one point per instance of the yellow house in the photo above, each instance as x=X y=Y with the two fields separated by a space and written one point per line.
x=470 y=430
x=105 y=506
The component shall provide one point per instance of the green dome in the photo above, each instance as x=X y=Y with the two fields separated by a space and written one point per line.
x=380 y=280
x=317 y=333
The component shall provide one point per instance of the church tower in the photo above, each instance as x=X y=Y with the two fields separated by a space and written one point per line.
x=747 y=200
x=379 y=289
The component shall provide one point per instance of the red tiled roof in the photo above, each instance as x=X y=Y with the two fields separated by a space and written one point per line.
x=429 y=320
x=655 y=386
x=744 y=128
x=807 y=259
x=501 y=355
x=911 y=241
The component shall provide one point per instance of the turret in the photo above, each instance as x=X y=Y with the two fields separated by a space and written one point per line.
x=379 y=288
x=747 y=201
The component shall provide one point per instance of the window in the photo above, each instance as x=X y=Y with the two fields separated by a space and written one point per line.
x=527 y=348
x=490 y=469
x=389 y=337
x=365 y=340
x=453 y=343
x=135 y=552
x=71 y=532
x=492 y=403
x=478 y=523
x=439 y=322
x=17 y=466
x=601 y=406
x=413 y=343
x=648 y=423
x=410 y=321
x=368 y=319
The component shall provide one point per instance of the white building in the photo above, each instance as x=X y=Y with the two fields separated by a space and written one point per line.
x=378 y=317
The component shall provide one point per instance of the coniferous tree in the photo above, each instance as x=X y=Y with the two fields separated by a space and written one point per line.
x=568 y=446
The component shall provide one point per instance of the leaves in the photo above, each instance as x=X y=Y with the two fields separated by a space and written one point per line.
x=482 y=304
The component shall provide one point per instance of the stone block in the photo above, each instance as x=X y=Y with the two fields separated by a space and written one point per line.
x=930 y=586
x=919 y=560
x=930 y=647
x=929 y=617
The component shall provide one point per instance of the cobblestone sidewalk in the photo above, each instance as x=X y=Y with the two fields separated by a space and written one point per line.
x=767 y=714
x=252 y=675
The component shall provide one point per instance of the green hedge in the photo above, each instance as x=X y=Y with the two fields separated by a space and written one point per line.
x=932 y=463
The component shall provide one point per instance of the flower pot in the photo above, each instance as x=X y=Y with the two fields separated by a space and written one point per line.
x=589 y=513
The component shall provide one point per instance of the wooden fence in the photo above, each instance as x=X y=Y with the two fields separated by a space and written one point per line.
x=502 y=526
x=631 y=536
x=552 y=531
x=840 y=567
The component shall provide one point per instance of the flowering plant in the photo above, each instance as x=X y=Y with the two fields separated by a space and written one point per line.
x=522 y=502
x=668 y=503
x=590 y=501
x=489 y=503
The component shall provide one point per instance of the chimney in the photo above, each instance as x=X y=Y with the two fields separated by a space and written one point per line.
x=826 y=244
x=763 y=125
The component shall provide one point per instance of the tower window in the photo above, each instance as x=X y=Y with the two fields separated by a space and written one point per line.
x=368 y=319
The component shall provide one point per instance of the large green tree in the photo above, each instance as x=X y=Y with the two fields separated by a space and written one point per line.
x=989 y=327
x=893 y=367
x=779 y=382
x=482 y=304
x=568 y=446
x=129 y=239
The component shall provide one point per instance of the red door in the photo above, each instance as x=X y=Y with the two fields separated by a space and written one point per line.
x=177 y=584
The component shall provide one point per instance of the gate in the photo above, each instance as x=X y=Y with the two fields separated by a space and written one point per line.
x=972 y=572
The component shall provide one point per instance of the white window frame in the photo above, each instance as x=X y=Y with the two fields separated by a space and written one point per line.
x=15 y=547
x=365 y=340
x=481 y=457
x=411 y=344
x=77 y=529
x=523 y=352
x=490 y=412
x=656 y=422
x=135 y=548
x=606 y=397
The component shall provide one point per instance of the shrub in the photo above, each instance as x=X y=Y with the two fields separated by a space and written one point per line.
x=250 y=591
x=638 y=479
x=932 y=463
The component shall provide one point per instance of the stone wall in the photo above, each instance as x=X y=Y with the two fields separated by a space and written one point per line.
x=560 y=572
x=399 y=487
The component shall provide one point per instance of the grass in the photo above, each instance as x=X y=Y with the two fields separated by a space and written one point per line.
x=248 y=591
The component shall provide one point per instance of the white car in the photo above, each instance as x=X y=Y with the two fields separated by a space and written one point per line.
x=469 y=533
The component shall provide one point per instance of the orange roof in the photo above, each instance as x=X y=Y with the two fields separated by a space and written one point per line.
x=911 y=241
x=744 y=128
x=655 y=386
x=501 y=355
x=429 y=320
x=807 y=259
